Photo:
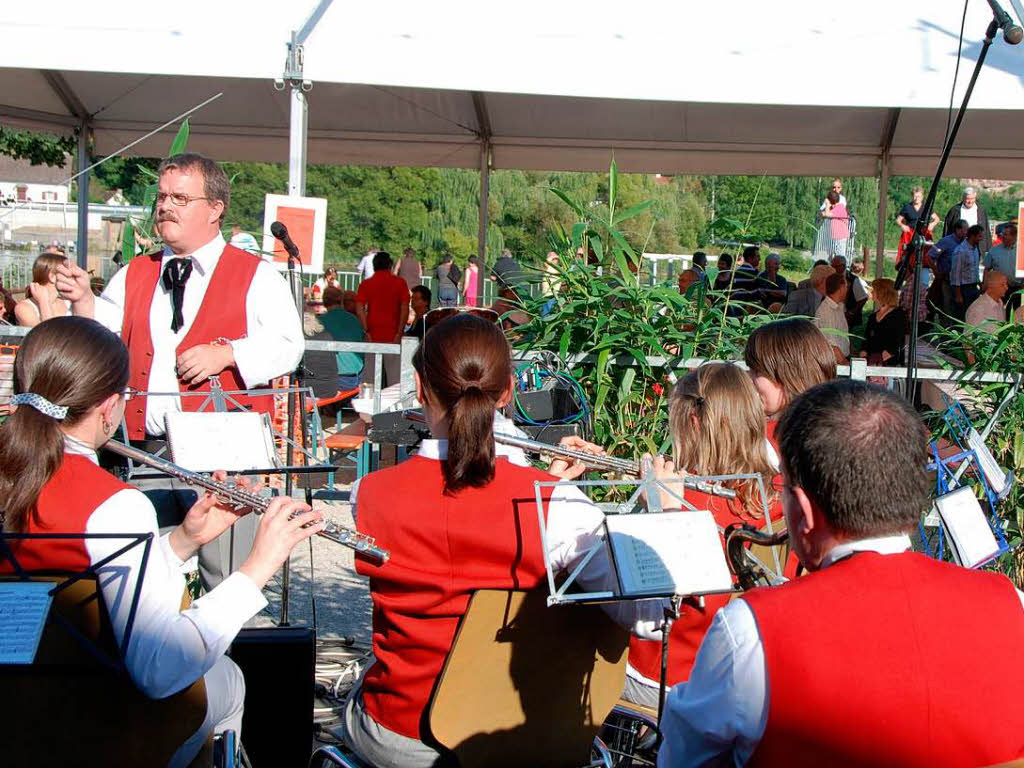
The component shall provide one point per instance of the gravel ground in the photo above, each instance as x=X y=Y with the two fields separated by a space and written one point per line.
x=341 y=596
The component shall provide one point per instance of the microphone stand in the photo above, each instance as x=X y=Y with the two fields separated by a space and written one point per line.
x=294 y=381
x=917 y=242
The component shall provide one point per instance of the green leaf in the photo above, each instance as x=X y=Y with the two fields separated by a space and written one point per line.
x=627 y=383
x=632 y=211
x=128 y=242
x=149 y=173
x=181 y=140
x=599 y=377
x=577 y=234
x=613 y=187
x=576 y=207
x=563 y=345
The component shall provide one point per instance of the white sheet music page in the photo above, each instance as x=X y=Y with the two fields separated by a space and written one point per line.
x=204 y=441
x=973 y=541
x=993 y=472
x=23 y=609
x=668 y=553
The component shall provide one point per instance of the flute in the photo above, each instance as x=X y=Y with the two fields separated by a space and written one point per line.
x=238 y=497
x=604 y=463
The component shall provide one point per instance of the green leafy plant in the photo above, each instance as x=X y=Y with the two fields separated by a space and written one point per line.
x=998 y=352
x=603 y=312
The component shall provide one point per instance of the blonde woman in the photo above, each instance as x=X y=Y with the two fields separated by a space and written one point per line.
x=717 y=427
x=41 y=301
x=887 y=326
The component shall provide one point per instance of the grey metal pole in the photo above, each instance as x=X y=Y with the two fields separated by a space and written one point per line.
x=485 y=195
x=82 y=243
x=883 y=205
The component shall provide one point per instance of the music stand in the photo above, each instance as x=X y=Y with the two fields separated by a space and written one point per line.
x=135 y=539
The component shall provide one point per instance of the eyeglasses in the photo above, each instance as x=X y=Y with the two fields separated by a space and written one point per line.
x=177 y=198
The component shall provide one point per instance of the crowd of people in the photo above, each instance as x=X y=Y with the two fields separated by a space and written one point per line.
x=861 y=635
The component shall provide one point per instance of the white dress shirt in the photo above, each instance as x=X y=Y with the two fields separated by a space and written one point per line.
x=719 y=716
x=986 y=313
x=170 y=648
x=272 y=346
x=574 y=526
x=970 y=215
x=831 y=315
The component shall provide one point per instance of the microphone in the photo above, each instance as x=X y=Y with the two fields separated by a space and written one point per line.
x=1011 y=32
x=280 y=231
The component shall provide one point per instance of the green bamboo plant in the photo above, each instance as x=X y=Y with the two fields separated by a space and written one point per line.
x=601 y=311
x=998 y=352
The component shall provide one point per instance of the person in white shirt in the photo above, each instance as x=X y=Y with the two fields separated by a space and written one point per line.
x=837 y=187
x=794 y=674
x=198 y=309
x=968 y=210
x=365 y=265
x=246 y=242
x=71 y=374
x=987 y=312
x=830 y=316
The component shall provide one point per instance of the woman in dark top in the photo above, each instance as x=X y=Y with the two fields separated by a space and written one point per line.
x=907 y=219
x=887 y=326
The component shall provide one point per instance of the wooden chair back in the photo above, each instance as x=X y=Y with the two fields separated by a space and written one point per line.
x=528 y=684
x=69 y=707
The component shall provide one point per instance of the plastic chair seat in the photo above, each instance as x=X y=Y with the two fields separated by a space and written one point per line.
x=340 y=397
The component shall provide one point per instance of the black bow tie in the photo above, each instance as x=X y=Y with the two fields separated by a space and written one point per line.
x=176 y=274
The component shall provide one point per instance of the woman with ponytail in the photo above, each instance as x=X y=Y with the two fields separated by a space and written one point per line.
x=457 y=518
x=717 y=425
x=70 y=375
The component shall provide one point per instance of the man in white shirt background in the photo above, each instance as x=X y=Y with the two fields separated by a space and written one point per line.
x=830 y=316
x=365 y=265
x=987 y=312
x=968 y=210
x=861 y=661
x=198 y=309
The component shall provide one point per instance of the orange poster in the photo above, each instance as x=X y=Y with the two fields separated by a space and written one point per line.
x=305 y=218
x=300 y=226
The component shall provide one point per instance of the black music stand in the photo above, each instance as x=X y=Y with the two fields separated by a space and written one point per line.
x=72 y=577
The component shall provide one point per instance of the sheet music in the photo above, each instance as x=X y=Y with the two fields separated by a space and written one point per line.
x=969 y=532
x=206 y=440
x=668 y=553
x=993 y=472
x=23 y=609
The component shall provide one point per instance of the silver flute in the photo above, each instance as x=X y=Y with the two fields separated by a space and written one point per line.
x=605 y=463
x=239 y=497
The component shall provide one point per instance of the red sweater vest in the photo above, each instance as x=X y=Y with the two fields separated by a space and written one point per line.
x=443 y=548
x=64 y=506
x=222 y=314
x=689 y=629
x=891 y=660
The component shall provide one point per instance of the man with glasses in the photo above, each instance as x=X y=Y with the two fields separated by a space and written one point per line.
x=197 y=309
x=879 y=655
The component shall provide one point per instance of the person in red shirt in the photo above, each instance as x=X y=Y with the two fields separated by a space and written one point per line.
x=786 y=358
x=456 y=518
x=382 y=306
x=717 y=429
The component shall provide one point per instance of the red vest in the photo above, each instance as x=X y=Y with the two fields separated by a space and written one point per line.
x=891 y=660
x=64 y=506
x=689 y=629
x=443 y=548
x=222 y=314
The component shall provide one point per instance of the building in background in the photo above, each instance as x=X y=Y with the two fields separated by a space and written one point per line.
x=23 y=182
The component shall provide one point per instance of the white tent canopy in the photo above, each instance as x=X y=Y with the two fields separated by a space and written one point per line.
x=791 y=88
x=743 y=87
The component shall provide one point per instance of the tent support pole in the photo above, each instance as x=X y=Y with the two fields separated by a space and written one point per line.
x=485 y=195
x=82 y=243
x=297 y=141
x=883 y=205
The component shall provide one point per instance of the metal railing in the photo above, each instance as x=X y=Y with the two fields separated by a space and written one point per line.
x=836 y=236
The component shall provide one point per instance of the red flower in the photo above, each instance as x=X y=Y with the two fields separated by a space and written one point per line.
x=658 y=389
